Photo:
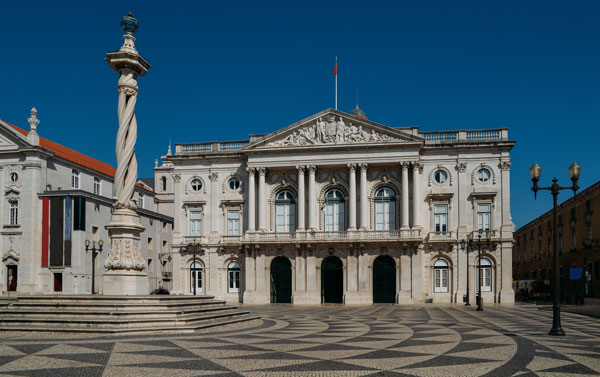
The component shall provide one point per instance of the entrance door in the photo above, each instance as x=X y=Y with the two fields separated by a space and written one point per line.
x=11 y=277
x=57 y=282
x=332 y=280
x=281 y=280
x=384 y=279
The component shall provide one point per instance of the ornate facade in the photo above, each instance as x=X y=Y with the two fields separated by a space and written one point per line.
x=337 y=208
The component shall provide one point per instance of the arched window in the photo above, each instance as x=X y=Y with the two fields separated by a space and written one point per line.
x=285 y=212
x=334 y=211
x=485 y=275
x=74 y=179
x=233 y=277
x=96 y=185
x=385 y=209
x=196 y=272
x=440 y=276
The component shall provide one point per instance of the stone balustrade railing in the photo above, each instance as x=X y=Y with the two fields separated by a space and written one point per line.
x=213 y=147
x=385 y=235
x=465 y=135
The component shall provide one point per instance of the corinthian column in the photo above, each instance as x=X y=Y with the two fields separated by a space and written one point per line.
x=251 y=200
x=126 y=273
x=416 y=194
x=301 y=200
x=404 y=218
x=352 y=214
x=262 y=205
x=312 y=197
x=364 y=204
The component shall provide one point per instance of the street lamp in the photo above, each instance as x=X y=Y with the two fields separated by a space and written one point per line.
x=536 y=172
x=94 y=251
x=467 y=245
x=194 y=248
x=480 y=278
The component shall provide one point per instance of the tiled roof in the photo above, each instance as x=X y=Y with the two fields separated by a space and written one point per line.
x=71 y=155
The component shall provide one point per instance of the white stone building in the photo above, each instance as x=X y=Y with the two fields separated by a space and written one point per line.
x=337 y=208
x=52 y=200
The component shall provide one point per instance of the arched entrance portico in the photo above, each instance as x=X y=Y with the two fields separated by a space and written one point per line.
x=384 y=279
x=332 y=280
x=281 y=280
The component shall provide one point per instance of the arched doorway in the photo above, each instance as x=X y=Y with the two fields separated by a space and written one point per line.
x=281 y=280
x=332 y=280
x=384 y=279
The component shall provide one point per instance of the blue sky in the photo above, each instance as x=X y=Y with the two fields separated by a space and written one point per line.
x=221 y=70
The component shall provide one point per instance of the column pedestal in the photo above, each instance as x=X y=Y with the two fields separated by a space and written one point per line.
x=126 y=273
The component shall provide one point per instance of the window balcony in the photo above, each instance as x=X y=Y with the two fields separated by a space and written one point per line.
x=335 y=236
x=441 y=236
x=231 y=240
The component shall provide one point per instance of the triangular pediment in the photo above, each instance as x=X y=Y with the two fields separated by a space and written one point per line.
x=331 y=128
x=10 y=139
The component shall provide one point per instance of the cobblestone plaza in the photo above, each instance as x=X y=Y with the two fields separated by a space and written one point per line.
x=378 y=340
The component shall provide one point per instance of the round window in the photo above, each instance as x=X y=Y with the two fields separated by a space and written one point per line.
x=196 y=185
x=440 y=177
x=483 y=175
x=234 y=183
x=14 y=177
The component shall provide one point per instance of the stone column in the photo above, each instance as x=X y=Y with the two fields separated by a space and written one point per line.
x=506 y=233
x=251 y=199
x=312 y=197
x=352 y=213
x=126 y=267
x=262 y=172
x=416 y=195
x=404 y=218
x=364 y=204
x=301 y=198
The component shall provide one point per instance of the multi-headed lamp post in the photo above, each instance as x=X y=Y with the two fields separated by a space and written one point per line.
x=94 y=251
x=479 y=274
x=467 y=245
x=194 y=248
x=536 y=172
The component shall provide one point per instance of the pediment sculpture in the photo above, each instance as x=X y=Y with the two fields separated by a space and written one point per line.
x=331 y=131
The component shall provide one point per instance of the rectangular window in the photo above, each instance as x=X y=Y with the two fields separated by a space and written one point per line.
x=484 y=214
x=234 y=281
x=196 y=223
x=140 y=200
x=233 y=223
x=440 y=213
x=14 y=213
x=96 y=186
x=75 y=179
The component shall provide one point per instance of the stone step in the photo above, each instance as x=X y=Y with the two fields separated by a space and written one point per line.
x=181 y=329
x=70 y=312
x=51 y=321
x=105 y=314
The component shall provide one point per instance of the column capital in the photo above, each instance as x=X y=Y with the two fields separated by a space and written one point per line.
x=404 y=165
x=461 y=167
x=311 y=169
x=504 y=165
x=301 y=169
x=417 y=165
x=250 y=170
x=262 y=170
x=352 y=167
x=363 y=166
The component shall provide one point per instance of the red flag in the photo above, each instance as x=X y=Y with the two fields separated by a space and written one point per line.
x=335 y=67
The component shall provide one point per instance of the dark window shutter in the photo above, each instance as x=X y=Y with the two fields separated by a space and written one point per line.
x=79 y=214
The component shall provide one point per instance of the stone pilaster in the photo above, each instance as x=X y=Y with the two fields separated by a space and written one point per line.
x=262 y=202
x=404 y=218
x=301 y=198
x=251 y=199
x=312 y=197
x=364 y=200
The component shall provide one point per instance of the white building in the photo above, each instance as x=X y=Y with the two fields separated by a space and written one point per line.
x=337 y=208
x=52 y=200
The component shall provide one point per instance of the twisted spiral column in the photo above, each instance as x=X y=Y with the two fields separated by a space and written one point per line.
x=126 y=174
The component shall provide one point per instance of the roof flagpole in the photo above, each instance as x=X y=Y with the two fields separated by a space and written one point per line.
x=335 y=74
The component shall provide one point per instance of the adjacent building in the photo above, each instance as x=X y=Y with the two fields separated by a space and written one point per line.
x=53 y=200
x=337 y=208
x=578 y=245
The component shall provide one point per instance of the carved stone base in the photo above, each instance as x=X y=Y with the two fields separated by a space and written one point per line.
x=126 y=267
x=125 y=282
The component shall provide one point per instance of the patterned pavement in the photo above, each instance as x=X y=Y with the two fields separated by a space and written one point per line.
x=378 y=340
